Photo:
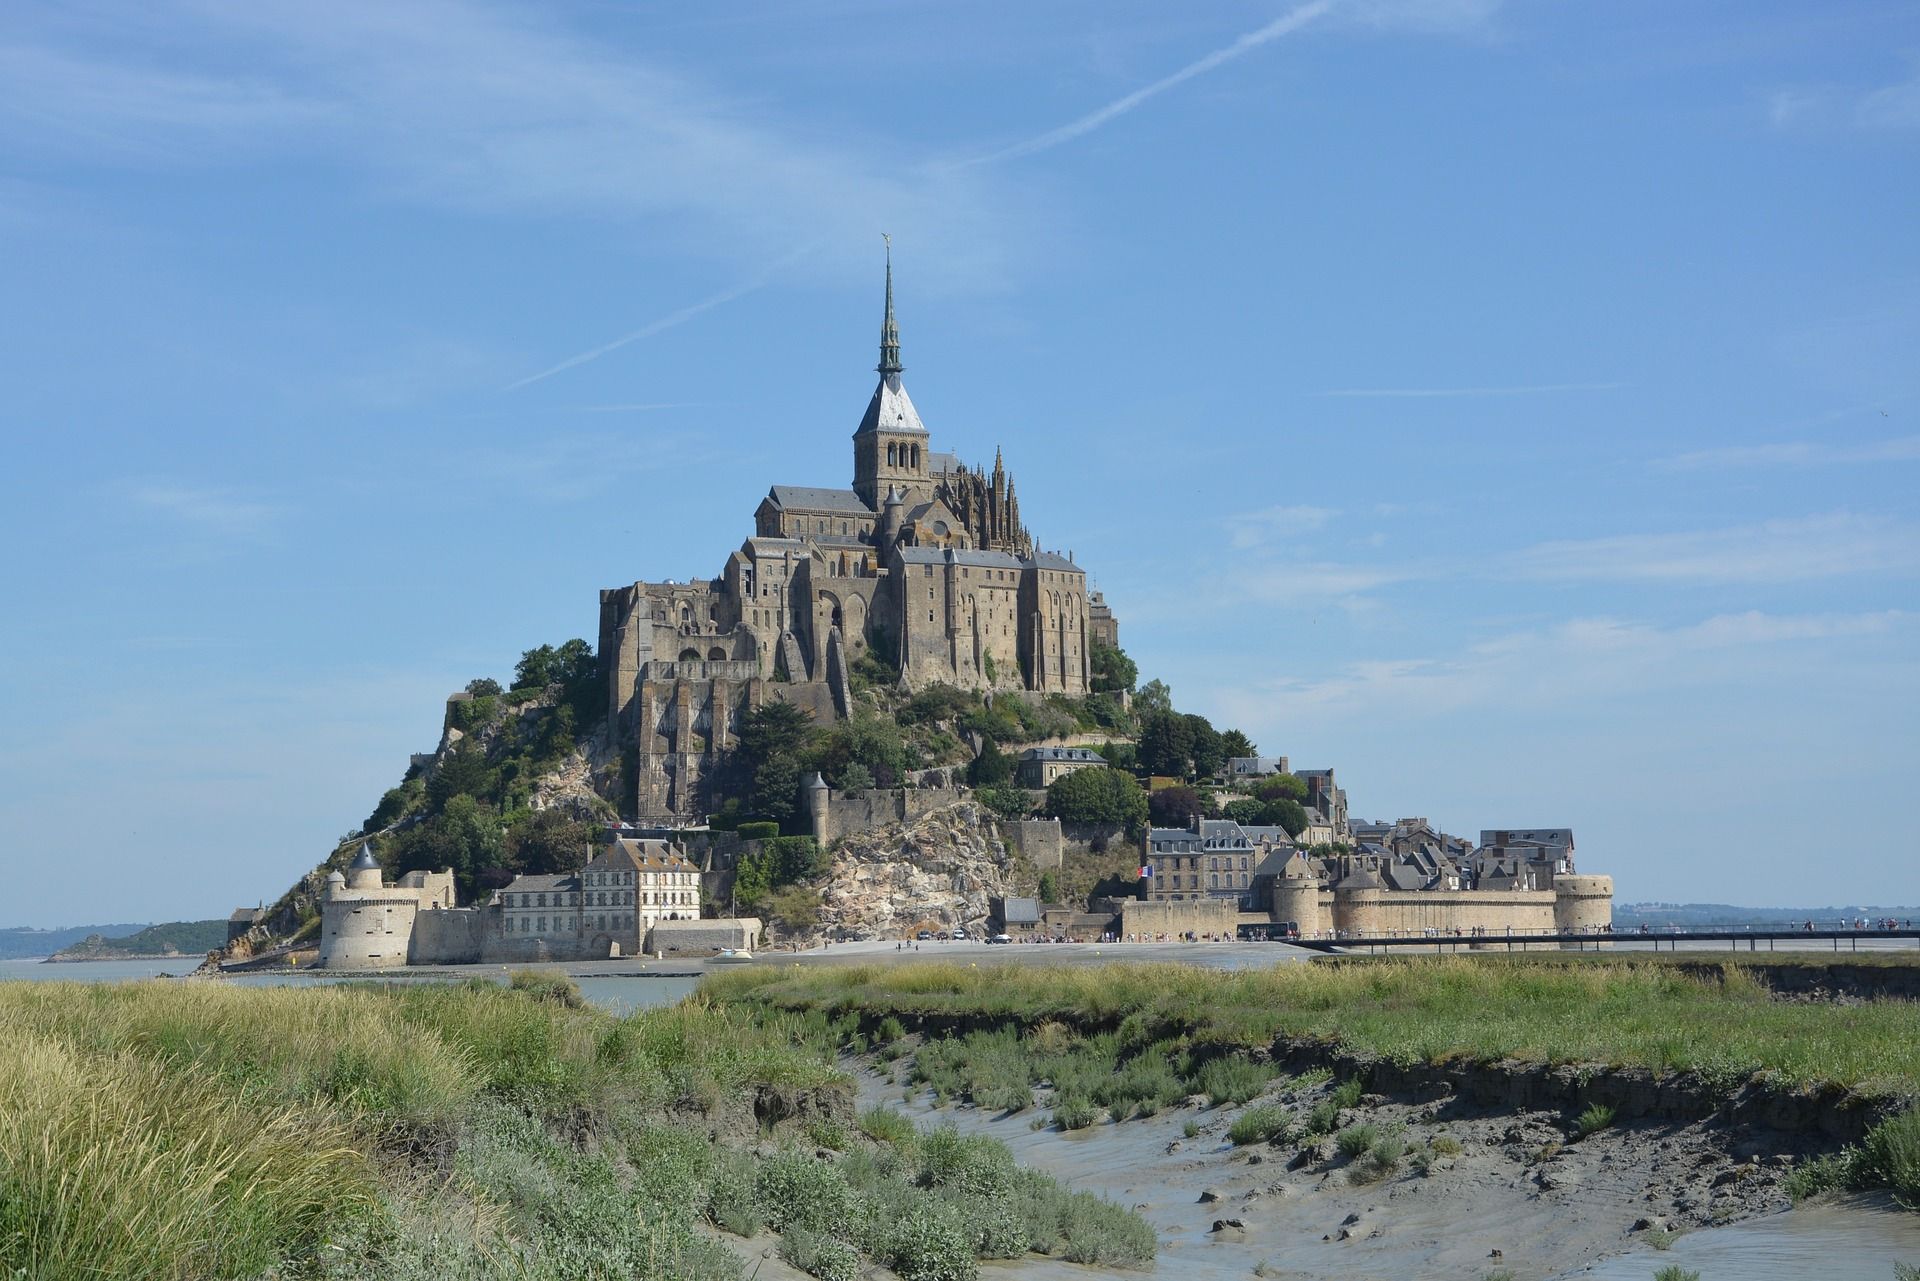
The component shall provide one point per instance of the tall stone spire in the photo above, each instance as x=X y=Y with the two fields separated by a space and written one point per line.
x=889 y=332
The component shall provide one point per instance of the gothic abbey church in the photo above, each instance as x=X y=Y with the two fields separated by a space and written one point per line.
x=922 y=562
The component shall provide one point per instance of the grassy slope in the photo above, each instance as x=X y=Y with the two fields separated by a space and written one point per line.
x=1627 y=1013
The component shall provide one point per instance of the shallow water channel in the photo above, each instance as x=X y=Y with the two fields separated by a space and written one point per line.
x=1409 y=1228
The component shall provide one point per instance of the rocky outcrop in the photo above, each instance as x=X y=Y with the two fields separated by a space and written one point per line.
x=570 y=787
x=935 y=872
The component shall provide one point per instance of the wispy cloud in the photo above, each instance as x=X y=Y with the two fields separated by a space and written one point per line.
x=1814 y=547
x=220 y=512
x=1570 y=663
x=1259 y=528
x=486 y=108
x=1797 y=453
x=1894 y=106
x=1284 y=25
x=1416 y=393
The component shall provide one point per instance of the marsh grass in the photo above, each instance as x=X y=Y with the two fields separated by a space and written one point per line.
x=456 y=1133
x=1595 y=1119
x=1617 y=1011
x=1267 y=1124
x=1354 y=1141
x=113 y=1166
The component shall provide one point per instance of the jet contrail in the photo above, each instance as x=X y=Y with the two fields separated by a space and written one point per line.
x=1086 y=124
x=664 y=323
x=645 y=331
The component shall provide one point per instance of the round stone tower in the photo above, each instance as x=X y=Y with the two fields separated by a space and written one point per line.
x=1356 y=902
x=1296 y=896
x=818 y=797
x=364 y=872
x=1582 y=904
x=893 y=515
x=365 y=924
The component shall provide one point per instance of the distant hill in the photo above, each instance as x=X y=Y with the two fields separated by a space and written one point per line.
x=174 y=938
x=18 y=941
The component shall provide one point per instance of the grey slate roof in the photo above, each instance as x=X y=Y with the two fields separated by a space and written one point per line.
x=1405 y=876
x=939 y=464
x=890 y=409
x=808 y=498
x=542 y=882
x=1364 y=878
x=939 y=556
x=1022 y=911
x=364 y=859
x=1060 y=754
x=1556 y=836
x=1054 y=560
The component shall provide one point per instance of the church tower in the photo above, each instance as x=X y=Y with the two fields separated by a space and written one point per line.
x=891 y=447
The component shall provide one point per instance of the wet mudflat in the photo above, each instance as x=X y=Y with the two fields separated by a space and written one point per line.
x=1549 y=1208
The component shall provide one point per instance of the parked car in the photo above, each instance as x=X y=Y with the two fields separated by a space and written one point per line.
x=1001 y=938
x=961 y=935
x=924 y=936
x=943 y=936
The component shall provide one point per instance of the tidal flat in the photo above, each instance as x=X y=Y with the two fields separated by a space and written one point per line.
x=950 y=1120
x=1434 y=1118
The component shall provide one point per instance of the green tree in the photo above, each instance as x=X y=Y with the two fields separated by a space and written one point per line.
x=777 y=729
x=1248 y=812
x=774 y=754
x=1166 y=744
x=549 y=841
x=1049 y=887
x=1174 y=806
x=991 y=768
x=1097 y=795
x=1285 y=812
x=535 y=670
x=484 y=687
x=462 y=772
x=1009 y=803
x=1208 y=751
x=1234 y=743
x=868 y=740
x=1281 y=786
x=1153 y=697
x=775 y=792
x=1113 y=671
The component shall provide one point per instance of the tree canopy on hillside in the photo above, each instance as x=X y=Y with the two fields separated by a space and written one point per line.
x=1097 y=795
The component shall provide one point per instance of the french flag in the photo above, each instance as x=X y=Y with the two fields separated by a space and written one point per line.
x=1146 y=873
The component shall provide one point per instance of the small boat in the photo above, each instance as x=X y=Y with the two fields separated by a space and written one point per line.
x=732 y=956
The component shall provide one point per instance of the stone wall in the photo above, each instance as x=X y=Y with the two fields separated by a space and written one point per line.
x=849 y=813
x=1414 y=912
x=703 y=938
x=1218 y=917
x=1039 y=840
x=1083 y=838
x=455 y=936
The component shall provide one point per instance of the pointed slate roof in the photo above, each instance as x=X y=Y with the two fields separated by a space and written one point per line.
x=891 y=409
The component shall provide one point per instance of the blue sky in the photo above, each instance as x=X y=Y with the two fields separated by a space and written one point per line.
x=1514 y=405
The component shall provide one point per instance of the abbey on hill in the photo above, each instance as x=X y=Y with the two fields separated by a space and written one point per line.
x=922 y=563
